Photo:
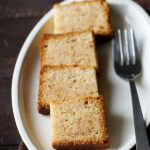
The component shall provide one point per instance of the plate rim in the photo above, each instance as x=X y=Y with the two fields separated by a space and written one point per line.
x=20 y=60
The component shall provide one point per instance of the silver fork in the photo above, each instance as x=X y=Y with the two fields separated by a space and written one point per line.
x=128 y=66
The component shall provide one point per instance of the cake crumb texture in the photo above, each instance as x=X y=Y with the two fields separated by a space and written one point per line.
x=79 y=16
x=61 y=83
x=68 y=49
x=79 y=123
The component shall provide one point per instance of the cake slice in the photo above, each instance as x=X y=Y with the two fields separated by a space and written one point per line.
x=87 y=15
x=79 y=123
x=61 y=83
x=68 y=49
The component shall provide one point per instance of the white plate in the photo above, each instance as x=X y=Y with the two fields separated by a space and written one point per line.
x=35 y=128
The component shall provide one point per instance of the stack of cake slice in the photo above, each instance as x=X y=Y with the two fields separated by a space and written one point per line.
x=68 y=68
x=68 y=88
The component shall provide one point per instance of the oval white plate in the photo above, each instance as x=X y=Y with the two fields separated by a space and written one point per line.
x=35 y=128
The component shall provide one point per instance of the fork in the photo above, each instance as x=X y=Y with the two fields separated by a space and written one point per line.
x=128 y=66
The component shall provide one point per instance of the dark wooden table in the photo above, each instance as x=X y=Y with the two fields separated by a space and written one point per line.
x=17 y=18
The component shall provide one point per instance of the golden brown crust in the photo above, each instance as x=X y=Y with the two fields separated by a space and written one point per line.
x=87 y=146
x=94 y=39
x=79 y=3
x=43 y=108
x=45 y=67
x=43 y=44
x=47 y=36
x=100 y=97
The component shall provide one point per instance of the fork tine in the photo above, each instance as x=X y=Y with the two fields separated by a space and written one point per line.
x=115 y=51
x=134 y=47
x=121 y=47
x=128 y=58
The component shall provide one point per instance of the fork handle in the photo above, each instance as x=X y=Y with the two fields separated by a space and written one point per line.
x=139 y=124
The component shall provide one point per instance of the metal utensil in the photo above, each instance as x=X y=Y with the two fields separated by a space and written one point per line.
x=128 y=66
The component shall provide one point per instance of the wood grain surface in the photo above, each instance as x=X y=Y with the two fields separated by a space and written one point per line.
x=17 y=18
